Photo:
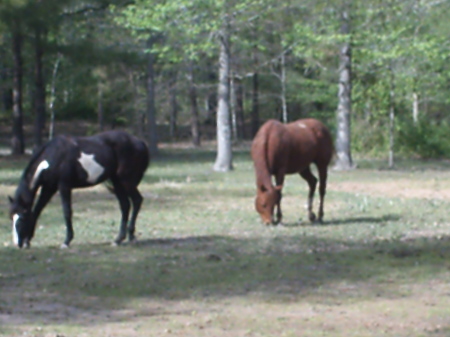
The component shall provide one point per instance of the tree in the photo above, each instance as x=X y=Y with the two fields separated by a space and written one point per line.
x=224 y=161
x=343 y=133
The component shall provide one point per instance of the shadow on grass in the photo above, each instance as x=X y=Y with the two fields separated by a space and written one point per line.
x=95 y=280
x=377 y=220
x=345 y=221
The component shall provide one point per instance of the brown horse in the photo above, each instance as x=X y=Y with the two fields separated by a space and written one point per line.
x=279 y=149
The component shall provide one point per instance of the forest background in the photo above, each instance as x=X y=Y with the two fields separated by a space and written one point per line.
x=377 y=72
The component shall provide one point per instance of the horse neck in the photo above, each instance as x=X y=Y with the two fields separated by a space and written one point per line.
x=263 y=176
x=25 y=193
x=27 y=189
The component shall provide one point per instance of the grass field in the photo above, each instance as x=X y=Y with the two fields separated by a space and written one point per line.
x=204 y=265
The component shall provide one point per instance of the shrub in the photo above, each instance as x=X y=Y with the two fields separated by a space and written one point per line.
x=425 y=138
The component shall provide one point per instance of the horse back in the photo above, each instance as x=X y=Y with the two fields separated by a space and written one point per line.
x=131 y=153
x=108 y=154
x=310 y=140
x=290 y=148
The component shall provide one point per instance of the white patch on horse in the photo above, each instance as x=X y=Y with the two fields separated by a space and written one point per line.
x=43 y=165
x=93 y=169
x=303 y=126
x=14 y=229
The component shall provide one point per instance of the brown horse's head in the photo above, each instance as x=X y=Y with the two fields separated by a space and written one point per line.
x=265 y=202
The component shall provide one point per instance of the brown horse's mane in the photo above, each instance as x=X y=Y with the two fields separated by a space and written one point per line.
x=260 y=153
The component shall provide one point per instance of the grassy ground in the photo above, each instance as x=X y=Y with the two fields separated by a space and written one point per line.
x=205 y=266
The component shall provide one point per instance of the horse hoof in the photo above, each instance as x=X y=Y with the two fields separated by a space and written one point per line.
x=312 y=217
x=64 y=246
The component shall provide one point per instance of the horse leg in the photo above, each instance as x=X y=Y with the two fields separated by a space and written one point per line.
x=323 y=173
x=312 y=182
x=124 y=203
x=66 y=198
x=136 y=199
x=44 y=197
x=279 y=181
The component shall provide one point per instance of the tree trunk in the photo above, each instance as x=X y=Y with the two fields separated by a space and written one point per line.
x=415 y=110
x=39 y=99
x=51 y=128
x=173 y=107
x=343 y=135
x=17 y=141
x=151 y=108
x=233 y=109
x=224 y=152
x=5 y=89
x=100 y=112
x=239 y=95
x=283 y=88
x=255 y=106
x=195 y=130
x=391 y=118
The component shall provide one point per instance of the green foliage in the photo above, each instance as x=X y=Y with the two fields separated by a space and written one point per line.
x=369 y=137
x=425 y=138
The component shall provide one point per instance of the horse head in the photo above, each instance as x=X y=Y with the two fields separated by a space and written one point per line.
x=266 y=199
x=22 y=224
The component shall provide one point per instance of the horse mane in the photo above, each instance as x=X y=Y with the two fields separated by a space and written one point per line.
x=23 y=191
x=36 y=154
x=260 y=157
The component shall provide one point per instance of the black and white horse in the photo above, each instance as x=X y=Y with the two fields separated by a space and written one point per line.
x=67 y=162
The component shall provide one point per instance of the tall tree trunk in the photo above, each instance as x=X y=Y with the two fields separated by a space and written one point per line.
x=211 y=108
x=283 y=88
x=51 y=128
x=391 y=117
x=415 y=107
x=151 y=108
x=254 y=116
x=224 y=156
x=5 y=89
x=100 y=110
x=39 y=99
x=233 y=109
x=343 y=135
x=255 y=105
x=17 y=141
x=195 y=129
x=173 y=106
x=239 y=95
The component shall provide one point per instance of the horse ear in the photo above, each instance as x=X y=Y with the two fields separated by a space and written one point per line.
x=11 y=200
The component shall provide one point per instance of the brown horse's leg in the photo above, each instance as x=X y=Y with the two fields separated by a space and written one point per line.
x=279 y=181
x=323 y=173
x=312 y=182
